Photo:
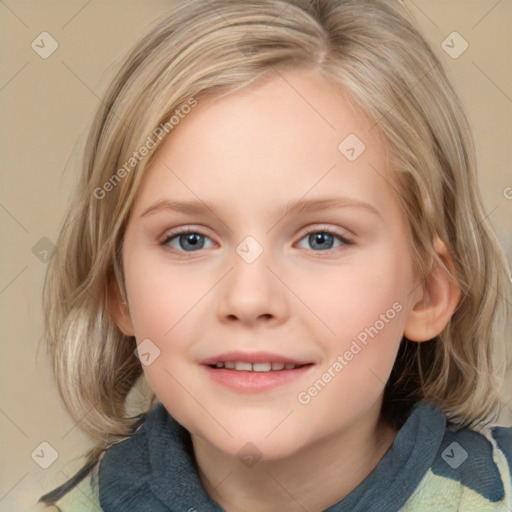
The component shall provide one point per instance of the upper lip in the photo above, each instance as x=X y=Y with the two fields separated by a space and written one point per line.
x=253 y=357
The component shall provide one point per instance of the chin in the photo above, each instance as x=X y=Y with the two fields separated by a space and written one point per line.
x=256 y=442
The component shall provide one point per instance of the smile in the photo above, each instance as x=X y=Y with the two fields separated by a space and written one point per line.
x=242 y=366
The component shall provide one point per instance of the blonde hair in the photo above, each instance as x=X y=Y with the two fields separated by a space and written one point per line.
x=373 y=52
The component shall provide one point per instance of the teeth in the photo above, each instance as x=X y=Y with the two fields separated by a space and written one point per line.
x=256 y=367
x=243 y=366
x=261 y=367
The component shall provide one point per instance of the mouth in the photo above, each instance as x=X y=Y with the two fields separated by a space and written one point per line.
x=245 y=366
x=254 y=372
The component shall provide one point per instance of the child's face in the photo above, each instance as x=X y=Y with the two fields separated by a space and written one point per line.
x=339 y=307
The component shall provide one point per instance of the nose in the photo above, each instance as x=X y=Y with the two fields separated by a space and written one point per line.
x=252 y=293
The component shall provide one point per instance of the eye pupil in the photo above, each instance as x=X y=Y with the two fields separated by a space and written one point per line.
x=191 y=239
x=321 y=238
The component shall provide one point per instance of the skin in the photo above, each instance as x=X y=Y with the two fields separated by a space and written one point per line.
x=248 y=154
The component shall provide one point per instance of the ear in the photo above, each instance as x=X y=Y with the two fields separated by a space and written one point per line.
x=437 y=300
x=119 y=310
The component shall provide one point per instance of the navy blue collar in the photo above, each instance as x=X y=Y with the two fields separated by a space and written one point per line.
x=155 y=470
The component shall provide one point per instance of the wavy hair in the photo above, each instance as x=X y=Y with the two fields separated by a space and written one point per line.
x=372 y=50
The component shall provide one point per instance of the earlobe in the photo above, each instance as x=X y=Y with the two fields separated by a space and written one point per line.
x=119 y=311
x=438 y=301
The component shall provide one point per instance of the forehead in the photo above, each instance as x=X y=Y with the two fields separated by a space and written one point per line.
x=289 y=136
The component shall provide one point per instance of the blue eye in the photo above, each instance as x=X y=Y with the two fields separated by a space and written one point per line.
x=187 y=240
x=323 y=239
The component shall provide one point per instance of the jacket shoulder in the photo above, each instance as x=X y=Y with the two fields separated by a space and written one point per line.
x=501 y=438
x=472 y=471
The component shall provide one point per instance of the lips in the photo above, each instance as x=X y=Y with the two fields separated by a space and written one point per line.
x=254 y=372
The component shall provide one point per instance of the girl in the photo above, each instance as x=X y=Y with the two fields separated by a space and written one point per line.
x=278 y=228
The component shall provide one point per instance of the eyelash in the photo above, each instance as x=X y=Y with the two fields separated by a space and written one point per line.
x=185 y=231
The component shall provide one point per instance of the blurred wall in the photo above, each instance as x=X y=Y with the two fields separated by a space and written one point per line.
x=46 y=107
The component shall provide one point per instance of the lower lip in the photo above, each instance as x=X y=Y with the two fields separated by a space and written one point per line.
x=255 y=382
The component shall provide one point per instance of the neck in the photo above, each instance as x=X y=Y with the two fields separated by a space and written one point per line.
x=314 y=478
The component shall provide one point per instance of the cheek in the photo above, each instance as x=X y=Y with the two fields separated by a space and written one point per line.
x=164 y=306
x=369 y=291
x=365 y=304
x=161 y=308
x=160 y=297
x=358 y=360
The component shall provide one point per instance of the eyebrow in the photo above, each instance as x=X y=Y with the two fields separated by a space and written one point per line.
x=295 y=206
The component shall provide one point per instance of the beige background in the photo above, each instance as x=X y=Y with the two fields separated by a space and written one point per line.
x=46 y=107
